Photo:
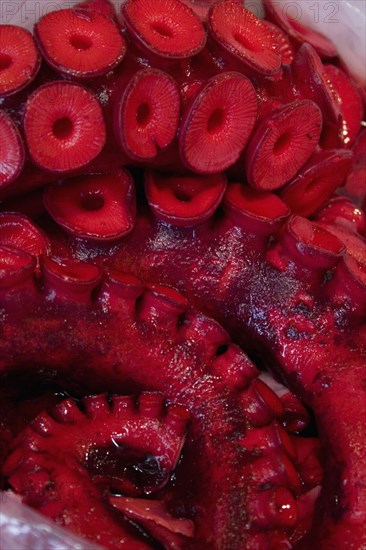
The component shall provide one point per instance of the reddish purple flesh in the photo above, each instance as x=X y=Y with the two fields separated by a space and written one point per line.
x=127 y=412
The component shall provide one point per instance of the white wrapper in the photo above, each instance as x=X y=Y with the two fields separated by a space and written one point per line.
x=21 y=528
x=344 y=21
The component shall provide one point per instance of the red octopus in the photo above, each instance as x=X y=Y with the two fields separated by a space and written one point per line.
x=130 y=412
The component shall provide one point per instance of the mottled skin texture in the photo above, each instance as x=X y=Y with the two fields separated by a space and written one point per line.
x=298 y=333
x=129 y=342
x=70 y=444
x=149 y=344
x=118 y=341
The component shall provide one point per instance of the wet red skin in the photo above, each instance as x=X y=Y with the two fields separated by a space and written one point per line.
x=314 y=348
x=140 y=347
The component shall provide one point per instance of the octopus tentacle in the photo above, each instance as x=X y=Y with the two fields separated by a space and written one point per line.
x=149 y=290
x=152 y=341
x=51 y=459
x=296 y=299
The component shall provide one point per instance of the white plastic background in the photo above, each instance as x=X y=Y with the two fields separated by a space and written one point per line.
x=344 y=21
